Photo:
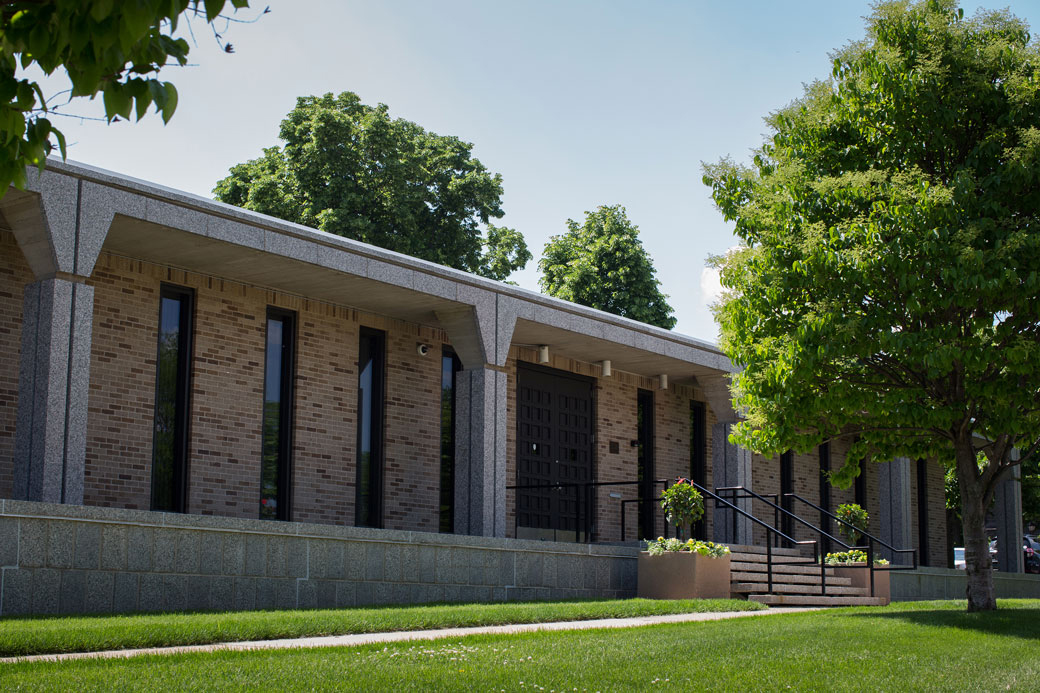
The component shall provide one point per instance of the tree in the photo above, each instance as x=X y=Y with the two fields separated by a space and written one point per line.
x=349 y=169
x=603 y=264
x=888 y=284
x=107 y=47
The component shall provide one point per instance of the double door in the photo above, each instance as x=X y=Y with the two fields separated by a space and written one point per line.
x=554 y=454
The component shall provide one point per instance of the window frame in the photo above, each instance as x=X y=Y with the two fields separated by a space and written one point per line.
x=182 y=398
x=377 y=422
x=286 y=410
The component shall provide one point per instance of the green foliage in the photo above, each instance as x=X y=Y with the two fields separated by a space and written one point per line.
x=888 y=284
x=603 y=264
x=855 y=516
x=107 y=47
x=682 y=505
x=349 y=169
x=656 y=547
x=851 y=558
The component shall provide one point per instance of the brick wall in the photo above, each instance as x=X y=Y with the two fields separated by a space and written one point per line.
x=765 y=476
x=14 y=275
x=614 y=400
x=936 y=507
x=413 y=427
x=226 y=406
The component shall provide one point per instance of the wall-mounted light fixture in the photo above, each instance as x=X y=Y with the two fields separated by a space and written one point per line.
x=422 y=349
x=664 y=381
x=543 y=353
x=605 y=365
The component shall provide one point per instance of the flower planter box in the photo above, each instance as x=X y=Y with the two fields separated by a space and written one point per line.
x=683 y=575
x=860 y=576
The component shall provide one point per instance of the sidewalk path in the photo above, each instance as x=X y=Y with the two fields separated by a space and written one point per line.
x=403 y=636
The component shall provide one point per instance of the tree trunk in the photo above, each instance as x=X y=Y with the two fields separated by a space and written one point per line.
x=978 y=567
x=977 y=563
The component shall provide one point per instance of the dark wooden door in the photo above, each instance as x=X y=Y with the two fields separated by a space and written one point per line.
x=554 y=446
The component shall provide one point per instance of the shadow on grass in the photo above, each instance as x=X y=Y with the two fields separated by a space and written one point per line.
x=1017 y=622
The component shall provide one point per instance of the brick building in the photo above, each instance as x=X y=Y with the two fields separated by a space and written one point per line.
x=160 y=351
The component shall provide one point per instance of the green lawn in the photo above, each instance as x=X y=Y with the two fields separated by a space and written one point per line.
x=924 y=646
x=21 y=636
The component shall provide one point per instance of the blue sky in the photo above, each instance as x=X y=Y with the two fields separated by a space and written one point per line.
x=575 y=103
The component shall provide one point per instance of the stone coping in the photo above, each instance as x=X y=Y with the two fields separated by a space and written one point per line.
x=304 y=233
x=148 y=518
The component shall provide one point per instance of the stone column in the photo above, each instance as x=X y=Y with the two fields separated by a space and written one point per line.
x=480 y=334
x=1007 y=513
x=896 y=518
x=60 y=222
x=54 y=378
x=480 y=452
x=731 y=466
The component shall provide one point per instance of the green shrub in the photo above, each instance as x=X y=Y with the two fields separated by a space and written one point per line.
x=855 y=516
x=704 y=548
x=682 y=505
x=851 y=557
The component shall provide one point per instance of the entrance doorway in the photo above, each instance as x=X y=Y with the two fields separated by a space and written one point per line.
x=554 y=454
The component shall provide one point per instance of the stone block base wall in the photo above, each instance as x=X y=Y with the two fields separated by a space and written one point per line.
x=61 y=559
x=948 y=583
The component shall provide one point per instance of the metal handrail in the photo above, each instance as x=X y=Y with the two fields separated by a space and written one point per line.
x=817 y=555
x=586 y=499
x=769 y=529
x=780 y=508
x=871 y=540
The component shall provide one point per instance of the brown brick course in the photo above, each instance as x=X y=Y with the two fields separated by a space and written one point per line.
x=14 y=275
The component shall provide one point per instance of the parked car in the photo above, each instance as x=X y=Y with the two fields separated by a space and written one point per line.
x=958 y=555
x=1031 y=549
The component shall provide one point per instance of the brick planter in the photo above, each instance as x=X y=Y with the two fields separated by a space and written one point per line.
x=860 y=576
x=683 y=575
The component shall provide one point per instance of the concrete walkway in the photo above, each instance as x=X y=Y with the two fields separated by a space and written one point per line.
x=404 y=636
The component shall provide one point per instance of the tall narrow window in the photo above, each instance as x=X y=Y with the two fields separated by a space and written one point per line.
x=698 y=458
x=368 y=506
x=922 y=512
x=450 y=365
x=786 y=486
x=825 y=492
x=860 y=488
x=276 y=462
x=172 y=390
x=645 y=462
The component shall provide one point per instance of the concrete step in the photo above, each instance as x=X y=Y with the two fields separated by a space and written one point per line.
x=762 y=588
x=749 y=548
x=763 y=559
x=778 y=568
x=814 y=600
x=814 y=579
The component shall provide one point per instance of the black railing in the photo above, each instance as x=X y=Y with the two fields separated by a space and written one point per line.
x=585 y=526
x=771 y=532
x=779 y=512
x=869 y=548
x=586 y=505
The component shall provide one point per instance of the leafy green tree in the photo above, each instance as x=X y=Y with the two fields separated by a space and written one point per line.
x=349 y=169
x=105 y=46
x=603 y=264
x=888 y=284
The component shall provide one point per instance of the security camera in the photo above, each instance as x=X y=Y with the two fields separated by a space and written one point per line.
x=423 y=349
